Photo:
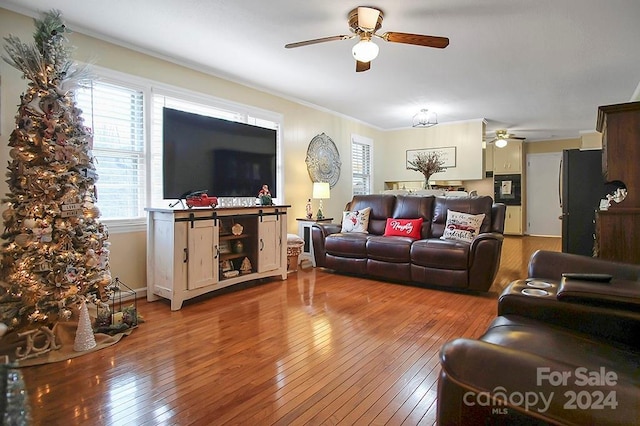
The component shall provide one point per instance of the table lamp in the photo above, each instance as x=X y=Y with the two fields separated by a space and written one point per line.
x=321 y=191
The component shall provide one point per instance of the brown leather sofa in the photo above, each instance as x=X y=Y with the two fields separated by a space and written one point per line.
x=429 y=260
x=569 y=354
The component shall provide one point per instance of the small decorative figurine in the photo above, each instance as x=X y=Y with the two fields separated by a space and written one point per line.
x=237 y=229
x=265 y=196
x=309 y=209
x=245 y=268
x=200 y=199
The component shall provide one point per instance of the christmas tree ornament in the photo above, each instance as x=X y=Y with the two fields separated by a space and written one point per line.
x=85 y=339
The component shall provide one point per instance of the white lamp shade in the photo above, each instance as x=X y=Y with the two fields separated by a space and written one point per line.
x=365 y=51
x=321 y=190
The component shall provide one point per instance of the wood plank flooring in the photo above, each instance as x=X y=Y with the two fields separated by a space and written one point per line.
x=318 y=348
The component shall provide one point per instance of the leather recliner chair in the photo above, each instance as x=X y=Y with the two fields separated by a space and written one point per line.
x=566 y=355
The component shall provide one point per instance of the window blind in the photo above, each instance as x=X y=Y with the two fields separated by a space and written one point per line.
x=361 y=167
x=115 y=115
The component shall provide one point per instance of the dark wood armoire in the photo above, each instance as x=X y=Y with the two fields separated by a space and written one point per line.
x=618 y=228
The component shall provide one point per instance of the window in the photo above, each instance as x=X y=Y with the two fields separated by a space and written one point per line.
x=125 y=116
x=361 y=154
x=116 y=116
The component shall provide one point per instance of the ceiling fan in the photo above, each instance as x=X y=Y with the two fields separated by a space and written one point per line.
x=363 y=23
x=502 y=137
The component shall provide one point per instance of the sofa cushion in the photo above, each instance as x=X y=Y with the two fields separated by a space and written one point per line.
x=356 y=221
x=381 y=209
x=462 y=226
x=403 y=228
x=389 y=249
x=440 y=254
x=350 y=244
x=471 y=205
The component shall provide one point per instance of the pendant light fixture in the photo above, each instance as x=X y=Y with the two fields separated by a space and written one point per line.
x=424 y=118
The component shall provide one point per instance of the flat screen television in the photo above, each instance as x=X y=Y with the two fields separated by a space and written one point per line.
x=225 y=158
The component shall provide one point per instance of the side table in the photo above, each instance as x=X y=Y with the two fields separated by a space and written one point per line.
x=304 y=230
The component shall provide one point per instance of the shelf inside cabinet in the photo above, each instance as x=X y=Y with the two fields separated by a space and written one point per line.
x=233 y=237
x=231 y=256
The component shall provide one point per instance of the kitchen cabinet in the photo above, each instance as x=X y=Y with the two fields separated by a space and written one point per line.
x=508 y=160
x=513 y=220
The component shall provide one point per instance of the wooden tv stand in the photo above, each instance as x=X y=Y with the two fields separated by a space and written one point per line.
x=190 y=251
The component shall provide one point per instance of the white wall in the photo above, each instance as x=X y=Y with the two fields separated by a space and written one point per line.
x=465 y=136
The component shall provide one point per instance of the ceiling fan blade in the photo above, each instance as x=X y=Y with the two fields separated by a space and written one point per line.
x=417 y=39
x=317 y=40
x=362 y=66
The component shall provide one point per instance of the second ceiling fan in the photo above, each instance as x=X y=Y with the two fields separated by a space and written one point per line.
x=502 y=137
x=364 y=22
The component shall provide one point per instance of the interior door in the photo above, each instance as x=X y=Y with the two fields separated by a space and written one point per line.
x=543 y=202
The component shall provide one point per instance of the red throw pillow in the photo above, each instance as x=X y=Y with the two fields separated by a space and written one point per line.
x=403 y=228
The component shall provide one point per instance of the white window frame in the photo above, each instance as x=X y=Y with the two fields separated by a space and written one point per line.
x=361 y=140
x=103 y=75
x=244 y=113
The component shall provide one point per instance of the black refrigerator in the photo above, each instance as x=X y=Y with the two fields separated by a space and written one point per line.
x=581 y=189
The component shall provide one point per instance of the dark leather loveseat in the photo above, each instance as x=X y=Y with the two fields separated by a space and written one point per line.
x=569 y=354
x=428 y=260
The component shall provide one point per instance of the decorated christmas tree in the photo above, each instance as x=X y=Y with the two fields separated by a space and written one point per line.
x=55 y=254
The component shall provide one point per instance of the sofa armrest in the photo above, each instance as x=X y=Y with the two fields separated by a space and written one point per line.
x=328 y=228
x=320 y=231
x=484 y=260
x=551 y=265
x=621 y=294
x=498 y=213
x=493 y=236
x=606 y=321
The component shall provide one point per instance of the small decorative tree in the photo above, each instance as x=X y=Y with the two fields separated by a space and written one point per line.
x=427 y=163
x=55 y=255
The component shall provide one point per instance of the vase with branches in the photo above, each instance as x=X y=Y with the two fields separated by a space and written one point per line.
x=427 y=163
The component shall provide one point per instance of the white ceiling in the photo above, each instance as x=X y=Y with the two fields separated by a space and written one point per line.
x=537 y=68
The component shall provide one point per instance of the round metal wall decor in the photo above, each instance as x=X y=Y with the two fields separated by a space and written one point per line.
x=323 y=160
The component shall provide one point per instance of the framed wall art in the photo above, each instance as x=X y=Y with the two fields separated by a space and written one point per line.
x=446 y=154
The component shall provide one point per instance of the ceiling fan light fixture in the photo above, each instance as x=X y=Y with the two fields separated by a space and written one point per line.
x=365 y=50
x=501 y=143
x=424 y=118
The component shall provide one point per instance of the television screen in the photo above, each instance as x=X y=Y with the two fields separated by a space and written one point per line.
x=225 y=158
